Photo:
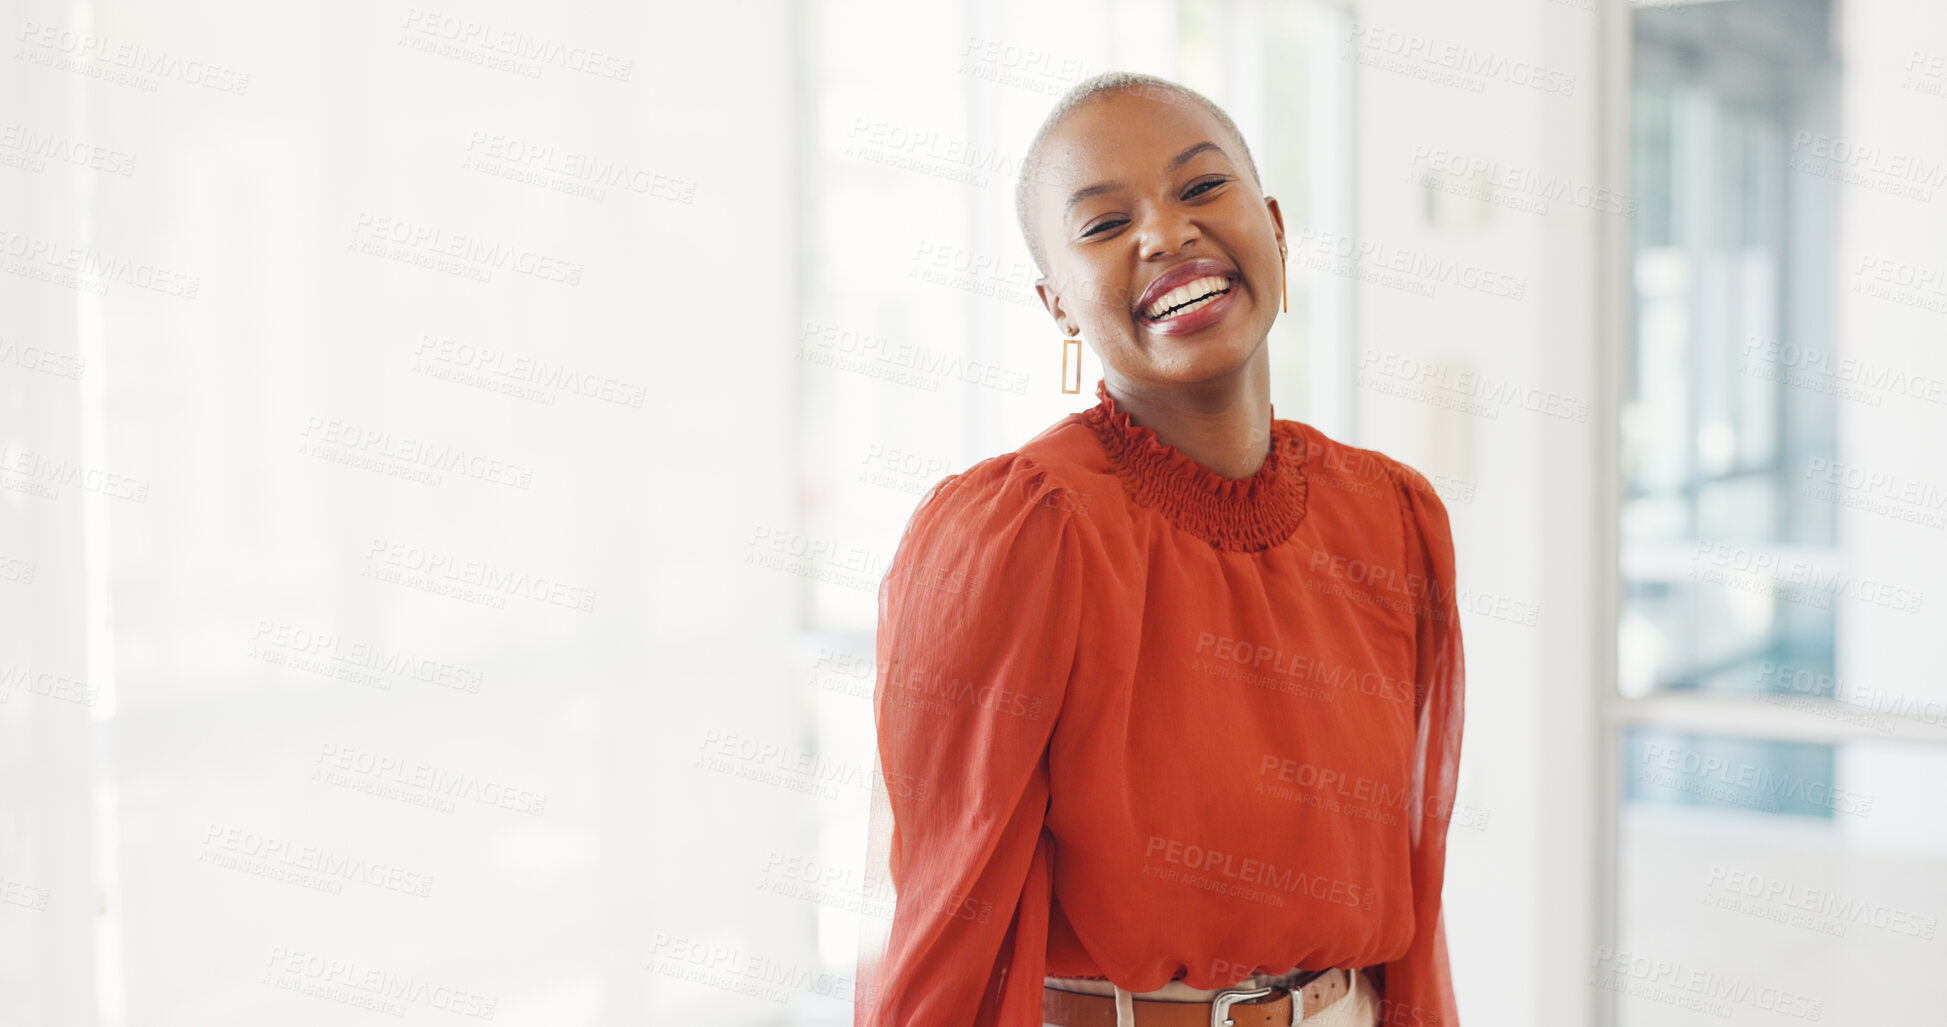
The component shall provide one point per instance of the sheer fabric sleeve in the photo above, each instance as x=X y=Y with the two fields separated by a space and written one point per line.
x=1417 y=988
x=978 y=617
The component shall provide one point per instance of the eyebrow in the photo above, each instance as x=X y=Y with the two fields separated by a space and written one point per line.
x=1175 y=162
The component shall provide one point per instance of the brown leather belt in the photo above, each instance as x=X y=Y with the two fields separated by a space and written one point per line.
x=1269 y=1006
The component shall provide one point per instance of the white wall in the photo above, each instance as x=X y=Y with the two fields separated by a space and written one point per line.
x=1519 y=919
x=260 y=194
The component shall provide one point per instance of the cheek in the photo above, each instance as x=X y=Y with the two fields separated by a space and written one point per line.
x=1107 y=296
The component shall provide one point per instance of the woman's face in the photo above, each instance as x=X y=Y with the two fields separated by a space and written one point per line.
x=1146 y=206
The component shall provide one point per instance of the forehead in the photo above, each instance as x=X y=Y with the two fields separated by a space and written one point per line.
x=1125 y=136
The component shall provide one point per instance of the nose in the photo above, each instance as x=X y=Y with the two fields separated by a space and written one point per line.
x=1166 y=230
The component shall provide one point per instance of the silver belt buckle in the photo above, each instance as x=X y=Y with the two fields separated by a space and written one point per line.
x=1221 y=1002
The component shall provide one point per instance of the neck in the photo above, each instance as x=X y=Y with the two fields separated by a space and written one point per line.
x=1223 y=423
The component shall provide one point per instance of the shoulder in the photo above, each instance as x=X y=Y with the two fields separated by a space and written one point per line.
x=1003 y=523
x=1343 y=467
x=1060 y=469
x=1378 y=477
x=1002 y=487
x=1014 y=494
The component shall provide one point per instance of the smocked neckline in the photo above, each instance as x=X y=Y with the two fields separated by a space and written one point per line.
x=1240 y=514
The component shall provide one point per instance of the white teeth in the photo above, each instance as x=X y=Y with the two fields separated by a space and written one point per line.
x=1185 y=293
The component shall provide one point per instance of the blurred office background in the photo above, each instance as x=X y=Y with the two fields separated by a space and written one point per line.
x=447 y=457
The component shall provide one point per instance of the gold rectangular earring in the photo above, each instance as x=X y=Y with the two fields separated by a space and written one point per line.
x=1078 y=366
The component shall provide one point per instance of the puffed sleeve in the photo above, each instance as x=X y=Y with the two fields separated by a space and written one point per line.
x=1417 y=988
x=978 y=617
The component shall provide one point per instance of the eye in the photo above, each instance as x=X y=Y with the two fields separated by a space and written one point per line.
x=1103 y=226
x=1199 y=188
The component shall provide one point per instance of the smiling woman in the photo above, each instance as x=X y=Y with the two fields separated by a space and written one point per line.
x=1156 y=244
x=1181 y=747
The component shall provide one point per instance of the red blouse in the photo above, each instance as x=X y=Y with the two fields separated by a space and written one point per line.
x=1141 y=721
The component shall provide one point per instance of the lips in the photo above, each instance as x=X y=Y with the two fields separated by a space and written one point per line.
x=1178 y=276
x=1192 y=295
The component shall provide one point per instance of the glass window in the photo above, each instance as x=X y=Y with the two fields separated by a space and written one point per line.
x=1778 y=837
x=1729 y=265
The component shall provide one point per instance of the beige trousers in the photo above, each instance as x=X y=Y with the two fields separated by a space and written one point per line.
x=1357 y=1007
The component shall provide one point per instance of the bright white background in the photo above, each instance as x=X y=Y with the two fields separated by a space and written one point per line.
x=266 y=756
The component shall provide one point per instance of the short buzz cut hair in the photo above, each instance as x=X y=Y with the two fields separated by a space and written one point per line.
x=1131 y=81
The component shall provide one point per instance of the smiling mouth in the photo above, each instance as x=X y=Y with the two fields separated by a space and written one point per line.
x=1187 y=297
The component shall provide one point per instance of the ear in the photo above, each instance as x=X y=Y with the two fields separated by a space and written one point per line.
x=1052 y=300
x=1277 y=222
